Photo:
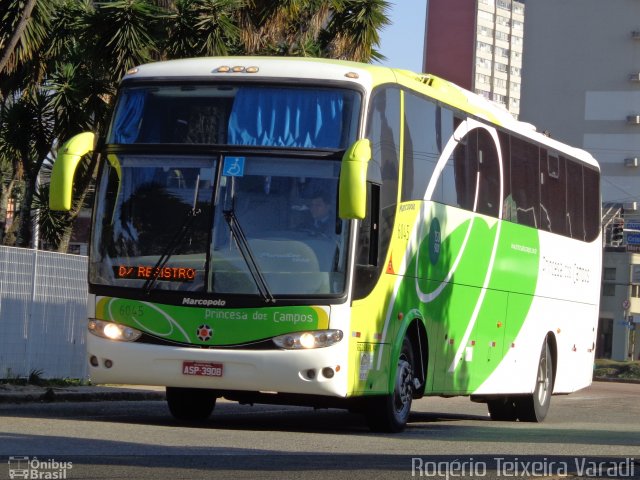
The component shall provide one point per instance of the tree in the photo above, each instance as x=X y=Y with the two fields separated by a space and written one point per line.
x=23 y=30
x=60 y=61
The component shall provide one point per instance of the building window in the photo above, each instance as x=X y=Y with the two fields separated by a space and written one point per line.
x=635 y=291
x=483 y=79
x=483 y=63
x=487 y=16
x=504 y=21
x=486 y=31
x=484 y=47
x=609 y=273
x=500 y=99
x=608 y=290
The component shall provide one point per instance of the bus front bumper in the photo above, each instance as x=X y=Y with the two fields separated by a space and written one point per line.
x=282 y=371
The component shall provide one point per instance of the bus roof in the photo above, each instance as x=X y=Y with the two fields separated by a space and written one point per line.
x=364 y=75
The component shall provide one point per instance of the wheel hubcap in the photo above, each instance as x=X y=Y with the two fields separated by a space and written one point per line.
x=543 y=381
x=404 y=387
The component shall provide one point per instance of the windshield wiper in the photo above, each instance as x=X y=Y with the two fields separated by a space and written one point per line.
x=243 y=245
x=171 y=247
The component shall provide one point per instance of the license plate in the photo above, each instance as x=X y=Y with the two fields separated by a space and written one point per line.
x=202 y=369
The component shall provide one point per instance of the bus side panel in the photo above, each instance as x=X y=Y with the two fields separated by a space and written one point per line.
x=455 y=276
x=565 y=308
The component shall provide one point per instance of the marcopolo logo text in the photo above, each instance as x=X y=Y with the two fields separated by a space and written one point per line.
x=203 y=302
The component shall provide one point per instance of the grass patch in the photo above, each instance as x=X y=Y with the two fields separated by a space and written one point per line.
x=35 y=378
x=617 y=369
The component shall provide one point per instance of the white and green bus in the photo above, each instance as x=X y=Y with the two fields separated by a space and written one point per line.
x=334 y=234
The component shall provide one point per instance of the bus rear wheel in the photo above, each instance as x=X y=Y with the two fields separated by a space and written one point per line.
x=534 y=407
x=190 y=403
x=390 y=413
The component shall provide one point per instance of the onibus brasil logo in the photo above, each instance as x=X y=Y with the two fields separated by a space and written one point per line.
x=32 y=468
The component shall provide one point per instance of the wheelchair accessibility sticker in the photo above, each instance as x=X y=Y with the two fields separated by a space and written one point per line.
x=233 y=167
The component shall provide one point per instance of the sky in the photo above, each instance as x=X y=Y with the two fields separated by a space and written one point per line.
x=402 y=42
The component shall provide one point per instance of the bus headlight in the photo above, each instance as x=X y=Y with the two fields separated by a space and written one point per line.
x=113 y=331
x=306 y=340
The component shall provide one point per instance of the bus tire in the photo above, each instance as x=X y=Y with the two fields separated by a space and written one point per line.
x=190 y=403
x=534 y=407
x=502 y=409
x=390 y=413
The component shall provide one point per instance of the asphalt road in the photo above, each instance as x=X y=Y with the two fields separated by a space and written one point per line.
x=594 y=433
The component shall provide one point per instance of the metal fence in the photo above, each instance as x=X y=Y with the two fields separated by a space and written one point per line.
x=43 y=313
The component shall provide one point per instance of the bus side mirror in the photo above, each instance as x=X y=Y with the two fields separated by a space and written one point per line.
x=69 y=155
x=353 y=180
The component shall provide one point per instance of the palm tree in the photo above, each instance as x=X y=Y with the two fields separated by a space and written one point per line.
x=23 y=30
x=202 y=28
x=61 y=61
x=26 y=135
x=353 y=31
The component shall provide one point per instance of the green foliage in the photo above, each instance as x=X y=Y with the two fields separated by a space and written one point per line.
x=64 y=59
x=35 y=377
x=124 y=32
x=616 y=369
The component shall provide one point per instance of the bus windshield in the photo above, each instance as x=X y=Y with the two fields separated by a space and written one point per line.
x=162 y=223
x=296 y=117
x=209 y=223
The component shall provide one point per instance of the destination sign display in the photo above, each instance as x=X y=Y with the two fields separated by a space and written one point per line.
x=143 y=272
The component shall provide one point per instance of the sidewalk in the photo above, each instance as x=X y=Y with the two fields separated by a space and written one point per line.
x=32 y=393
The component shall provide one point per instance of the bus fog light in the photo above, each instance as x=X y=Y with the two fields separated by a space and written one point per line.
x=113 y=331
x=327 y=372
x=108 y=363
x=93 y=360
x=307 y=340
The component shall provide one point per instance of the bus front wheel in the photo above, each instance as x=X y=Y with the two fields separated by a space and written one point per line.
x=190 y=403
x=534 y=408
x=390 y=413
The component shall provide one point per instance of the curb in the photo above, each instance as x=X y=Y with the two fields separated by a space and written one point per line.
x=118 y=393
x=616 y=380
x=87 y=394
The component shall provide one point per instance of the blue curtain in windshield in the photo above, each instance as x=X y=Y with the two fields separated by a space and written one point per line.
x=286 y=118
x=126 y=126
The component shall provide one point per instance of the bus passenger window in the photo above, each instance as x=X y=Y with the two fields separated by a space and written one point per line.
x=508 y=204
x=553 y=201
x=422 y=145
x=591 y=203
x=575 y=201
x=489 y=175
x=465 y=163
x=525 y=183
